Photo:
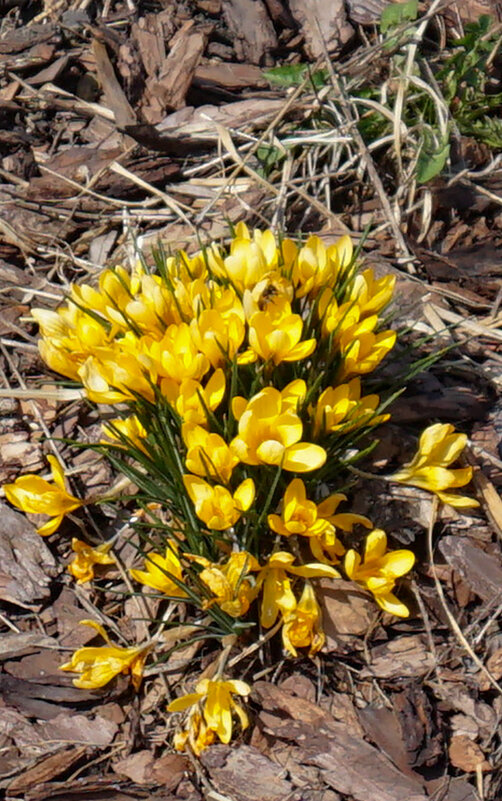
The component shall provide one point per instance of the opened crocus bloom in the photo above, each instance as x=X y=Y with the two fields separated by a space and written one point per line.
x=302 y=626
x=234 y=592
x=34 y=494
x=274 y=580
x=343 y=408
x=163 y=573
x=208 y=455
x=99 y=665
x=270 y=430
x=438 y=448
x=214 y=698
x=191 y=400
x=379 y=570
x=82 y=565
x=216 y=506
x=275 y=334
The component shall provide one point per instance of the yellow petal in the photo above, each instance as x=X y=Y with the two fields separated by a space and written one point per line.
x=389 y=603
x=244 y=494
x=97 y=627
x=304 y=457
x=184 y=702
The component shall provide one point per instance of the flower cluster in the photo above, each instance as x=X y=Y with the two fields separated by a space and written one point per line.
x=241 y=387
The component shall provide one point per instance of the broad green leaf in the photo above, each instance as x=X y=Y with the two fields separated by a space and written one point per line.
x=431 y=160
x=396 y=14
x=292 y=75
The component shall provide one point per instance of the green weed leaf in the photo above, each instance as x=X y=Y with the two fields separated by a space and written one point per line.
x=398 y=13
x=293 y=74
x=432 y=159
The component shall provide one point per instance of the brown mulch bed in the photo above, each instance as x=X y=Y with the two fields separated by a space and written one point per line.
x=152 y=121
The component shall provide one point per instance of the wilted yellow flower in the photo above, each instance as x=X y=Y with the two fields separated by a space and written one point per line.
x=233 y=592
x=273 y=579
x=160 y=572
x=218 y=706
x=318 y=266
x=302 y=626
x=99 y=665
x=34 y=494
x=190 y=399
x=216 y=506
x=327 y=548
x=130 y=427
x=208 y=455
x=438 y=448
x=342 y=407
x=197 y=734
x=379 y=570
x=275 y=334
x=269 y=431
x=82 y=565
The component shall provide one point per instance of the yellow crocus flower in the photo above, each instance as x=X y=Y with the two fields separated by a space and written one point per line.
x=249 y=259
x=299 y=515
x=176 y=355
x=99 y=665
x=160 y=572
x=190 y=399
x=275 y=334
x=233 y=592
x=130 y=427
x=187 y=268
x=362 y=350
x=153 y=309
x=117 y=376
x=302 y=626
x=318 y=522
x=218 y=337
x=270 y=431
x=68 y=336
x=215 y=505
x=208 y=455
x=438 y=448
x=197 y=734
x=266 y=292
x=372 y=294
x=82 y=565
x=218 y=705
x=379 y=569
x=274 y=581
x=36 y=495
x=318 y=266
x=342 y=407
